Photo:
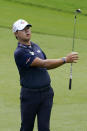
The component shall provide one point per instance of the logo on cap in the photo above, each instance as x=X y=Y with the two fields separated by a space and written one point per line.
x=22 y=22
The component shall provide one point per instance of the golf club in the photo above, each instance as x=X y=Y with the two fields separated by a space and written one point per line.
x=76 y=12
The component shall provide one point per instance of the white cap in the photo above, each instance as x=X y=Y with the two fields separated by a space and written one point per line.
x=20 y=25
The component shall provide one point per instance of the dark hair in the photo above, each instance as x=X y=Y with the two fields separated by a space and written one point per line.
x=16 y=38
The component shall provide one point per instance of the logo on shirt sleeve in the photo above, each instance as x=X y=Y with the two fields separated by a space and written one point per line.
x=27 y=60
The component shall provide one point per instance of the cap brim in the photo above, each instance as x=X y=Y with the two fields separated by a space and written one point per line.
x=29 y=25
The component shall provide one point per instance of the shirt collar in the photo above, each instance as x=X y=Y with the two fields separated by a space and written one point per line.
x=24 y=46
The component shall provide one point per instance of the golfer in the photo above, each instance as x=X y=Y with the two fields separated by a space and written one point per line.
x=36 y=96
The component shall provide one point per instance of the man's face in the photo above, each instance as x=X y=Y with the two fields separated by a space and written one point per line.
x=24 y=35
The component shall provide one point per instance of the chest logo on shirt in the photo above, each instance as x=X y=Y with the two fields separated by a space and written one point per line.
x=32 y=53
x=38 y=51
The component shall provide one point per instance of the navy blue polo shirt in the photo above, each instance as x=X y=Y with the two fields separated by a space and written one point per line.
x=31 y=77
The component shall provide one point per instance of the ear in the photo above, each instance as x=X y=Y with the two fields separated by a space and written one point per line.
x=16 y=33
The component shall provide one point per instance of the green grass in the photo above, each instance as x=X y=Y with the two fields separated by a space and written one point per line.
x=69 y=110
x=70 y=107
x=61 y=5
x=44 y=20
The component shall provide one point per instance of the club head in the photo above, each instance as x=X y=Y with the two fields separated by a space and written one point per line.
x=78 y=11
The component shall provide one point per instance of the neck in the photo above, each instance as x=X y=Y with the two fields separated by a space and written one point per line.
x=25 y=42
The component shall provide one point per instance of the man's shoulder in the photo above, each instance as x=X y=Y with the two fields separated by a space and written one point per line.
x=18 y=51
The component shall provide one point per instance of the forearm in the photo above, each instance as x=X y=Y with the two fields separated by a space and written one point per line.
x=52 y=63
x=48 y=63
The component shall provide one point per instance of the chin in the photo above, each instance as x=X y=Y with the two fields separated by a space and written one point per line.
x=27 y=39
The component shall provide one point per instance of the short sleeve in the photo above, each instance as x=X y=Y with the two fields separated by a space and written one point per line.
x=44 y=55
x=24 y=59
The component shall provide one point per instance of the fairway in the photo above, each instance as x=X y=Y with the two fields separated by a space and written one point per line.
x=52 y=30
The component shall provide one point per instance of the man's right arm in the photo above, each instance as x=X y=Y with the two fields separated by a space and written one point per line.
x=54 y=63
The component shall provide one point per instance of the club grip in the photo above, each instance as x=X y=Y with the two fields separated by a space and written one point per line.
x=70 y=83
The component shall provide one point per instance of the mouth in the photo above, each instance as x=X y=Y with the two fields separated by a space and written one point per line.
x=28 y=34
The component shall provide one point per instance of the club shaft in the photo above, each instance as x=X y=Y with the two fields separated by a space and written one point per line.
x=70 y=81
x=74 y=33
